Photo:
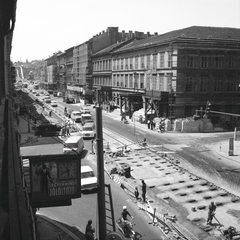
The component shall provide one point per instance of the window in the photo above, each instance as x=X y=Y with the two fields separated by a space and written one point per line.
x=130 y=81
x=114 y=64
x=126 y=81
x=202 y=84
x=148 y=61
x=142 y=62
x=148 y=82
x=141 y=81
x=161 y=79
x=114 y=80
x=136 y=77
x=131 y=63
x=189 y=85
x=161 y=60
x=217 y=84
x=154 y=82
x=204 y=62
x=231 y=62
x=190 y=61
x=126 y=63
x=136 y=62
x=218 y=61
x=154 y=61
x=121 y=64
x=169 y=59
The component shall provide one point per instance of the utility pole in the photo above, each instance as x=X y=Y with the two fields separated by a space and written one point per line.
x=100 y=173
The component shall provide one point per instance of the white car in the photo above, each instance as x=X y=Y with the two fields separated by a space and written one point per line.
x=88 y=179
x=88 y=131
x=85 y=110
x=54 y=103
x=76 y=116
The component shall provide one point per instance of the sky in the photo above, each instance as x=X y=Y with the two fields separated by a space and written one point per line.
x=44 y=27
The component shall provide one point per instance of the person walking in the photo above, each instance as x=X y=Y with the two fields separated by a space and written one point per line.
x=144 y=186
x=89 y=231
x=211 y=212
x=148 y=124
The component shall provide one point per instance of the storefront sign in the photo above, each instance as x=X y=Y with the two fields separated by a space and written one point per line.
x=54 y=178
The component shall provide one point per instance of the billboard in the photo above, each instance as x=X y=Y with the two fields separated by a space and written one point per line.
x=54 y=179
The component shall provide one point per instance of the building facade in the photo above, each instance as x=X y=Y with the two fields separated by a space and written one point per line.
x=177 y=73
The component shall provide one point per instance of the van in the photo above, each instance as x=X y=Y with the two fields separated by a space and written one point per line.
x=88 y=131
x=73 y=145
x=85 y=117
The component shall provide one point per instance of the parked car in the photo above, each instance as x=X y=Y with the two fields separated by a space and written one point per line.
x=85 y=110
x=89 y=121
x=88 y=178
x=48 y=129
x=47 y=100
x=76 y=116
x=85 y=117
x=54 y=103
x=59 y=94
x=70 y=100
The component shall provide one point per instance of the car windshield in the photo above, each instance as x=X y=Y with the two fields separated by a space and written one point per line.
x=78 y=120
x=87 y=129
x=72 y=145
x=87 y=118
x=77 y=114
x=87 y=174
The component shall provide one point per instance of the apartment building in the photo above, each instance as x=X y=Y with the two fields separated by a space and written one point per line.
x=177 y=73
x=82 y=63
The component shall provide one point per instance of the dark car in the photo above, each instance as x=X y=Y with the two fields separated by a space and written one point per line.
x=70 y=100
x=47 y=130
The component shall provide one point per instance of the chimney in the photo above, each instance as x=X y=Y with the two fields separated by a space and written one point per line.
x=130 y=34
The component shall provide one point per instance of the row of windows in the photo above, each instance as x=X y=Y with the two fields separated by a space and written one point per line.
x=157 y=82
x=155 y=61
x=165 y=60
x=217 y=61
x=204 y=85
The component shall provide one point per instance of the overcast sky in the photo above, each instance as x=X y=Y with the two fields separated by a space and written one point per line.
x=44 y=27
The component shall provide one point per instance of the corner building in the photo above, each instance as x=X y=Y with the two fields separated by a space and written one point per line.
x=176 y=73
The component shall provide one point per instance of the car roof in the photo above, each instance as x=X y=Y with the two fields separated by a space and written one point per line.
x=88 y=125
x=73 y=139
x=76 y=112
x=86 y=115
x=86 y=169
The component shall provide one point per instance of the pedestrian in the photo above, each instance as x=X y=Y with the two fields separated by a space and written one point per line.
x=89 y=232
x=144 y=186
x=148 y=124
x=50 y=113
x=211 y=212
x=93 y=147
x=136 y=193
x=151 y=123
